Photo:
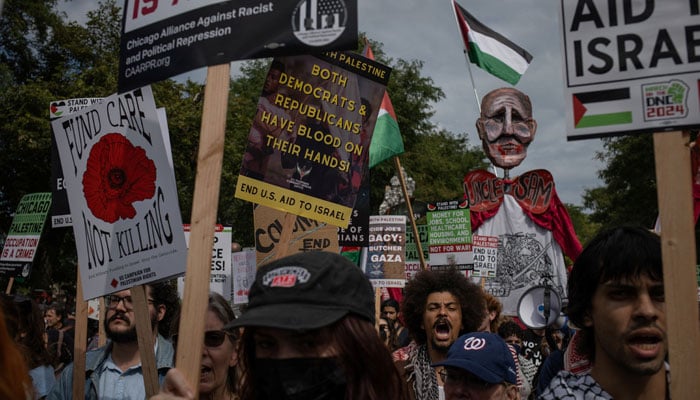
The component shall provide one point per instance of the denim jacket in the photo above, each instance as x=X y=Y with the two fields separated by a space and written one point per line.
x=63 y=390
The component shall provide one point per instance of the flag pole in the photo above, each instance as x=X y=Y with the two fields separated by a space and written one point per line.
x=471 y=78
x=466 y=58
x=411 y=217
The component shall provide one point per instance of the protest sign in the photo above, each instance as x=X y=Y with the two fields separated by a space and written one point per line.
x=60 y=212
x=123 y=198
x=312 y=128
x=307 y=235
x=384 y=265
x=243 y=274
x=163 y=39
x=485 y=249
x=412 y=244
x=221 y=267
x=449 y=235
x=23 y=237
x=356 y=232
x=630 y=69
x=413 y=259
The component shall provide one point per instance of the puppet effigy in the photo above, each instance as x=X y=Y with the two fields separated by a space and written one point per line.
x=532 y=225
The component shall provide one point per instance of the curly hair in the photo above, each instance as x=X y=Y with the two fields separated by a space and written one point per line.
x=510 y=328
x=417 y=290
x=614 y=254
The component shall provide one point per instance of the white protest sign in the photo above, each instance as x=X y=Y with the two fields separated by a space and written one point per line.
x=243 y=273
x=220 y=276
x=630 y=66
x=123 y=199
x=485 y=250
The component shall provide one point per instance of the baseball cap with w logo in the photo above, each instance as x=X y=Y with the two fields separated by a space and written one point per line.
x=483 y=354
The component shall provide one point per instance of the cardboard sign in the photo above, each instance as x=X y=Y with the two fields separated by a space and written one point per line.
x=23 y=237
x=311 y=131
x=307 y=235
x=123 y=199
x=167 y=38
x=630 y=66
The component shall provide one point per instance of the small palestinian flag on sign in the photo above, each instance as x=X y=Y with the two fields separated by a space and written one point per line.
x=602 y=108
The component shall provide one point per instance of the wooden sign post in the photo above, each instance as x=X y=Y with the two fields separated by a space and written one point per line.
x=145 y=334
x=204 y=208
x=79 y=341
x=673 y=181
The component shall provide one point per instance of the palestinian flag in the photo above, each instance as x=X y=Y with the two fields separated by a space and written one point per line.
x=490 y=50
x=386 y=138
x=601 y=108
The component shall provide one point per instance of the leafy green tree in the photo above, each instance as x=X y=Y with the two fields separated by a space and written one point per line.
x=435 y=158
x=43 y=58
x=629 y=192
x=585 y=229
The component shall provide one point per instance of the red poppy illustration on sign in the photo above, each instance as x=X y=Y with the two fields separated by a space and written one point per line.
x=117 y=175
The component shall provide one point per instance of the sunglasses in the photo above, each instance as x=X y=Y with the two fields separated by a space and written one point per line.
x=211 y=338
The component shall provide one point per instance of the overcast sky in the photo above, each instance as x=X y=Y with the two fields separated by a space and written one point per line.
x=426 y=30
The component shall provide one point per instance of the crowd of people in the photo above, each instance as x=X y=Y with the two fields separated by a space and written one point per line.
x=311 y=331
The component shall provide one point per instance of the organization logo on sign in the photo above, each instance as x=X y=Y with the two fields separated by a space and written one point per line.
x=319 y=22
x=665 y=100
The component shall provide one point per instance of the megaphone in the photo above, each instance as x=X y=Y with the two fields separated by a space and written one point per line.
x=532 y=310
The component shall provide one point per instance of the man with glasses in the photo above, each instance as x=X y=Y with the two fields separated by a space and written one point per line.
x=479 y=366
x=114 y=370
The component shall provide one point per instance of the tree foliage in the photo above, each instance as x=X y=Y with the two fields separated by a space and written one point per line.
x=435 y=158
x=44 y=58
x=629 y=193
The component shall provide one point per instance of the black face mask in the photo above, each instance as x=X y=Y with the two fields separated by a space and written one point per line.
x=299 y=379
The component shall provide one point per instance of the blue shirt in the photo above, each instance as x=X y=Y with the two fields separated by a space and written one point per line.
x=115 y=384
x=94 y=361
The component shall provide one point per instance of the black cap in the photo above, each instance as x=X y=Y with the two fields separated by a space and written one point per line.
x=307 y=291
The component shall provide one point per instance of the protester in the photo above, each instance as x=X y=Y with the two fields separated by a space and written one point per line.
x=391 y=310
x=493 y=314
x=25 y=322
x=60 y=336
x=535 y=346
x=438 y=306
x=217 y=379
x=616 y=298
x=15 y=382
x=479 y=366
x=387 y=332
x=309 y=334
x=512 y=333
x=114 y=370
